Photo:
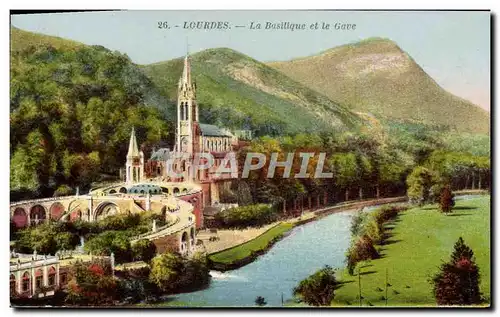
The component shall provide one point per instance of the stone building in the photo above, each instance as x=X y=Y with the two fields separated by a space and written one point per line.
x=191 y=137
x=34 y=275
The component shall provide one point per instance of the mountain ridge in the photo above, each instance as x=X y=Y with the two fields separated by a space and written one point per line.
x=277 y=97
x=377 y=76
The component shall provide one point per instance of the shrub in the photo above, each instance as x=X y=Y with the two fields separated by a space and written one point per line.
x=63 y=190
x=171 y=273
x=361 y=249
x=319 y=288
x=143 y=250
x=386 y=213
x=357 y=221
x=91 y=285
x=373 y=230
x=247 y=216
x=446 y=201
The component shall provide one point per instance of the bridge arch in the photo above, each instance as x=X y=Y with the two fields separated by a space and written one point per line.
x=176 y=190
x=56 y=211
x=20 y=217
x=75 y=215
x=105 y=209
x=38 y=214
x=123 y=190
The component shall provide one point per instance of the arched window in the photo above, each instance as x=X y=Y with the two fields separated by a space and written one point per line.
x=26 y=282
x=182 y=111
x=186 y=111
x=38 y=279
x=52 y=276
x=12 y=284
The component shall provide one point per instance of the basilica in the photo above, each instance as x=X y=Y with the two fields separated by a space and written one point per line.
x=191 y=137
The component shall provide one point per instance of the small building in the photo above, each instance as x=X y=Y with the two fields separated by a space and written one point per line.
x=34 y=275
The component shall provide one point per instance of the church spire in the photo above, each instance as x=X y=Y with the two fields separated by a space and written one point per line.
x=186 y=73
x=133 y=149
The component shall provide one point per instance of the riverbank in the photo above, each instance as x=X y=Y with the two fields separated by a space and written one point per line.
x=245 y=253
x=421 y=239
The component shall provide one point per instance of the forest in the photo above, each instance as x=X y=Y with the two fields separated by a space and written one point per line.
x=71 y=113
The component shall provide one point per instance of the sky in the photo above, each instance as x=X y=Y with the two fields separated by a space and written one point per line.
x=452 y=47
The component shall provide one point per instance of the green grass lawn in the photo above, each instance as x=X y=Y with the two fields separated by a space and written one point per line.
x=244 y=250
x=421 y=239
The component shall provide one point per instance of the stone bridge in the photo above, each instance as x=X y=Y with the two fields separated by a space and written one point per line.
x=182 y=201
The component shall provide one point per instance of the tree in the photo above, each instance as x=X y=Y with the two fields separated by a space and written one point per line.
x=108 y=242
x=260 y=301
x=143 y=250
x=461 y=250
x=165 y=270
x=446 y=201
x=92 y=285
x=345 y=170
x=65 y=241
x=457 y=282
x=319 y=288
x=419 y=183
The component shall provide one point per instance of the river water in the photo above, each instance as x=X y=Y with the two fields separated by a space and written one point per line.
x=274 y=275
x=305 y=250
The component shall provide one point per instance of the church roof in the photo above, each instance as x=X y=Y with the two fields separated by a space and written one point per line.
x=133 y=149
x=212 y=130
x=162 y=154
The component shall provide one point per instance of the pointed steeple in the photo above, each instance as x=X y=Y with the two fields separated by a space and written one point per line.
x=186 y=73
x=133 y=149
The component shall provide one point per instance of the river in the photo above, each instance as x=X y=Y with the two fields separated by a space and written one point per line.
x=305 y=250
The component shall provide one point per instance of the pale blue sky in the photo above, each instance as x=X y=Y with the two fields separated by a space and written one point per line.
x=452 y=47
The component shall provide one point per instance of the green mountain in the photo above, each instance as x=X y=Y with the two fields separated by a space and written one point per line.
x=20 y=40
x=72 y=107
x=378 y=77
x=236 y=91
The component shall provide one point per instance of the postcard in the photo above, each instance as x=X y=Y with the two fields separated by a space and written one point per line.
x=294 y=159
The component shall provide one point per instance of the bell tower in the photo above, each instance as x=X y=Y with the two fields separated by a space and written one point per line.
x=187 y=111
